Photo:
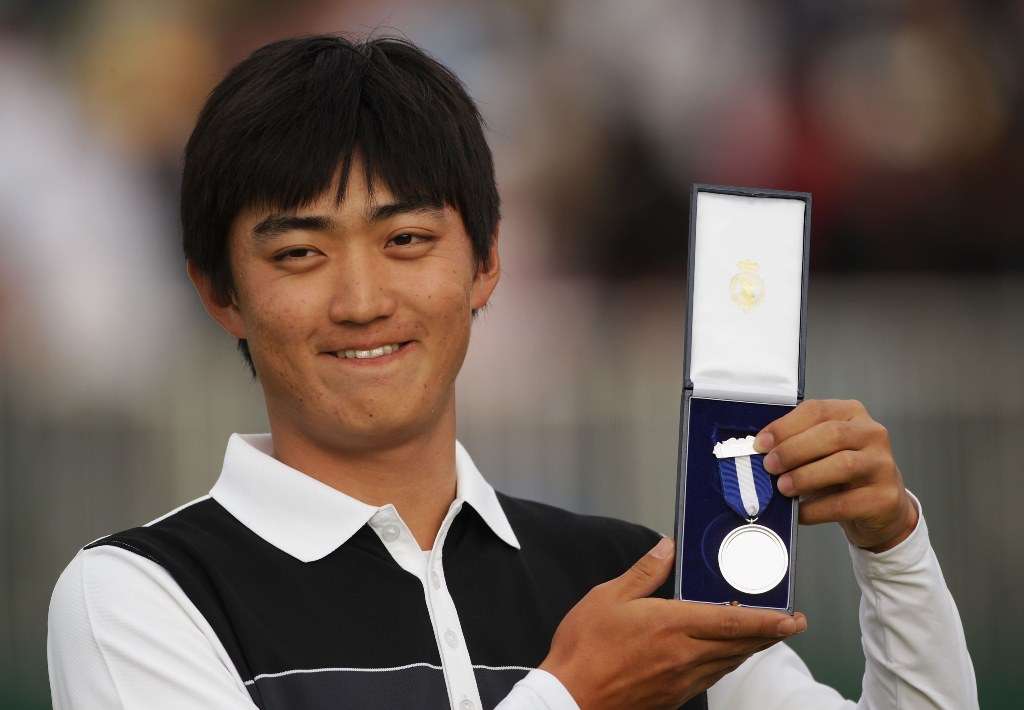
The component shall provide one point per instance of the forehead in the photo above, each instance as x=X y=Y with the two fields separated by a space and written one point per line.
x=359 y=189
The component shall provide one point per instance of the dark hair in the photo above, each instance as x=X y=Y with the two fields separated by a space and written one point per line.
x=273 y=133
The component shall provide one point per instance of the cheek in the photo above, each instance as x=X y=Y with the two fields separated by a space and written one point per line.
x=278 y=326
x=446 y=302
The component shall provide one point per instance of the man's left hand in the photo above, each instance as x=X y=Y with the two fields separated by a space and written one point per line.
x=839 y=460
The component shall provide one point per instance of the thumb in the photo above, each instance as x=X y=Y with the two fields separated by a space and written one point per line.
x=648 y=573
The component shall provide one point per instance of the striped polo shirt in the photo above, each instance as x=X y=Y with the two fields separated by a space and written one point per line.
x=322 y=601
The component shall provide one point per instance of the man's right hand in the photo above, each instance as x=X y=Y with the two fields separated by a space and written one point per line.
x=619 y=649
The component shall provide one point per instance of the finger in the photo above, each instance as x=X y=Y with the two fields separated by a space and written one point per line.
x=840 y=468
x=713 y=649
x=726 y=622
x=803 y=416
x=818 y=441
x=842 y=506
x=647 y=574
x=741 y=654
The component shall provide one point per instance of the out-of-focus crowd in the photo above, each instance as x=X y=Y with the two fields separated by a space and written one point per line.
x=904 y=119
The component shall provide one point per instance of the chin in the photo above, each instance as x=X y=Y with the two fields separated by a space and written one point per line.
x=370 y=430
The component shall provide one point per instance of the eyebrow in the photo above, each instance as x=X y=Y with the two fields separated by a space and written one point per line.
x=413 y=206
x=275 y=225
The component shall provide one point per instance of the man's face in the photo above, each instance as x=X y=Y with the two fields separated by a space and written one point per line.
x=357 y=316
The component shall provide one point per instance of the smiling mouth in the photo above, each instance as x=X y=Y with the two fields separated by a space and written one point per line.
x=375 y=353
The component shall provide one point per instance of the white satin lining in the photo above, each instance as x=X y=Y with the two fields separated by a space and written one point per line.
x=747 y=354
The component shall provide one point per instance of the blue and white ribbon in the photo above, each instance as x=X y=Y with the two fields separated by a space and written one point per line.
x=745 y=484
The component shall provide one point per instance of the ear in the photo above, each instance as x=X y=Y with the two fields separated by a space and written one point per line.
x=225 y=313
x=486 y=278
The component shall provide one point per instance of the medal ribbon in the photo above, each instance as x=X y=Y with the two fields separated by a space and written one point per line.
x=746 y=486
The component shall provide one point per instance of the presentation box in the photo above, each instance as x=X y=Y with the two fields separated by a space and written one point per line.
x=744 y=367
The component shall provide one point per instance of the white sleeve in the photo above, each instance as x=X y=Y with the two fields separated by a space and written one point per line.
x=914 y=648
x=539 y=690
x=122 y=634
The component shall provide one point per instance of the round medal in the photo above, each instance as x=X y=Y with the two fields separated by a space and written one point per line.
x=753 y=559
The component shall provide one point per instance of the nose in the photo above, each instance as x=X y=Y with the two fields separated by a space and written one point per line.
x=363 y=289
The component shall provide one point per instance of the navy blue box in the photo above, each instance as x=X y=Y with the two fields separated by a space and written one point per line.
x=744 y=367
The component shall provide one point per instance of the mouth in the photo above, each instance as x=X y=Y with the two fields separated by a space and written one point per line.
x=375 y=356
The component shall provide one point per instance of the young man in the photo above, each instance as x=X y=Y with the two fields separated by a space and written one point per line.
x=341 y=221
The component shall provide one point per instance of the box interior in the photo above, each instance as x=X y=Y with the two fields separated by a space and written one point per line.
x=708 y=518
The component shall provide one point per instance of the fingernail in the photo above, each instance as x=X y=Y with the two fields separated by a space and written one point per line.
x=663 y=549
x=801 y=625
x=787 y=627
x=771 y=463
x=764 y=441
x=786 y=485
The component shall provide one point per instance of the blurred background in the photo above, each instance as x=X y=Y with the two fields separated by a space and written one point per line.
x=904 y=119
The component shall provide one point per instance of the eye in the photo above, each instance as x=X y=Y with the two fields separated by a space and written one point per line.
x=406 y=239
x=293 y=254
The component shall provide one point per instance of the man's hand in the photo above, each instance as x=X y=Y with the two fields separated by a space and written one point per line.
x=835 y=455
x=618 y=649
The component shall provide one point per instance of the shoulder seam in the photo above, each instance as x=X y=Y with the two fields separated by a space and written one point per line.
x=95 y=638
x=112 y=538
x=114 y=541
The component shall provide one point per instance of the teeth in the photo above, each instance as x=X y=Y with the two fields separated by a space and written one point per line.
x=368 y=354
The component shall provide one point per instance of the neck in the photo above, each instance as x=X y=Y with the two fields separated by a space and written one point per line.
x=416 y=475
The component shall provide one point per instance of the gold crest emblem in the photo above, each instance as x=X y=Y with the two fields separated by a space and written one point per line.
x=746 y=287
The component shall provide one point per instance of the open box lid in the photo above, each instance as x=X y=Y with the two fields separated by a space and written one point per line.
x=746 y=313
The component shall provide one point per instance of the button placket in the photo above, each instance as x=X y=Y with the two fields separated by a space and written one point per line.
x=390 y=532
x=398 y=541
x=458 y=668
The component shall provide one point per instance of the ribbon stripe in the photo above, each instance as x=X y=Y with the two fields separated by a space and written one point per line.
x=745 y=484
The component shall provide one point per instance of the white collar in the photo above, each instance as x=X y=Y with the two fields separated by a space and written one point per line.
x=308 y=519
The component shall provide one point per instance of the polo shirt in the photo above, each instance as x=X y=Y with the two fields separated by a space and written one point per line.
x=277 y=591
x=314 y=599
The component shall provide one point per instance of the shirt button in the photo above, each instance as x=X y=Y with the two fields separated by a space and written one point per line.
x=390 y=533
x=466 y=704
x=435 y=579
x=451 y=638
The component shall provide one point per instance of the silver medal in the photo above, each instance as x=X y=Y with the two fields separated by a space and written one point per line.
x=753 y=559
